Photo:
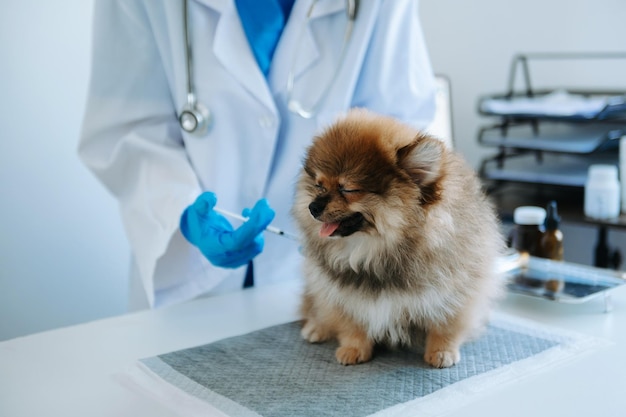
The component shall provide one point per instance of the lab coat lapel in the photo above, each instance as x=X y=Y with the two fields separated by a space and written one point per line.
x=232 y=49
x=297 y=49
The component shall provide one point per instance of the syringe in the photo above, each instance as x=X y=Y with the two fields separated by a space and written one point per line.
x=272 y=229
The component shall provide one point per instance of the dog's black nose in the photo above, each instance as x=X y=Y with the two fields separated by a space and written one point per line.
x=317 y=207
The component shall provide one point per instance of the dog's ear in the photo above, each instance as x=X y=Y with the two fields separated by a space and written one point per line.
x=422 y=159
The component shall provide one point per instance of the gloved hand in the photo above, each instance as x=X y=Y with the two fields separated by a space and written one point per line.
x=215 y=237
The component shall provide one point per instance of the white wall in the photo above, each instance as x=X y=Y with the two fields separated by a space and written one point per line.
x=63 y=254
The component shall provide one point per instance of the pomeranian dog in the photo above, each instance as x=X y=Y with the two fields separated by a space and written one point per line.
x=399 y=241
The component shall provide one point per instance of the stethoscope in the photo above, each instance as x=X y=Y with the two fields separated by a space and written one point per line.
x=194 y=118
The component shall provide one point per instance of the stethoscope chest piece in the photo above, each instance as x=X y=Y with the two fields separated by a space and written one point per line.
x=195 y=119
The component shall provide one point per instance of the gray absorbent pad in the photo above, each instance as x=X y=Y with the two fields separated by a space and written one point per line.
x=274 y=372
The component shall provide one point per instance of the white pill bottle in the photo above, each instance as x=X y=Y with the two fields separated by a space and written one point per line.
x=602 y=192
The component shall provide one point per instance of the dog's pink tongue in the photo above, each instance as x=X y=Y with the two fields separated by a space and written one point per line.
x=328 y=229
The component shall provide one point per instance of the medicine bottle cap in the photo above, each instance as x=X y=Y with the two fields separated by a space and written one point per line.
x=602 y=173
x=529 y=215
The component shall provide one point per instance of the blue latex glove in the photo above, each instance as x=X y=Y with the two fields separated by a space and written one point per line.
x=215 y=237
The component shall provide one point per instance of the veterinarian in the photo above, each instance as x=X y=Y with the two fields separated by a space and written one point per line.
x=195 y=104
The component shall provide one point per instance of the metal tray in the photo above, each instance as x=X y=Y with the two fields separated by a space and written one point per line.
x=563 y=282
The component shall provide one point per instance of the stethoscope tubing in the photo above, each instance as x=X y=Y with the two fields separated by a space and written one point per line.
x=195 y=119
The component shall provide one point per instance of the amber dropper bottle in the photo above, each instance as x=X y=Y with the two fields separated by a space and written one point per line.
x=552 y=245
x=552 y=239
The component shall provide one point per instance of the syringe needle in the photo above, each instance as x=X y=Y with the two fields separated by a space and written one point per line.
x=270 y=228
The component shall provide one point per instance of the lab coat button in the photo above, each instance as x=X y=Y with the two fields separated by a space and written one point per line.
x=266 y=122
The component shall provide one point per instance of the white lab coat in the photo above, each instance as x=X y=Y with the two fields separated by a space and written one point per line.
x=131 y=139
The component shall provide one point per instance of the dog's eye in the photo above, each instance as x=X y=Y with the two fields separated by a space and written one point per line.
x=320 y=188
x=350 y=190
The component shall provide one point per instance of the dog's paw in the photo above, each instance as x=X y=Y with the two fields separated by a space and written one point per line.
x=313 y=333
x=350 y=355
x=442 y=358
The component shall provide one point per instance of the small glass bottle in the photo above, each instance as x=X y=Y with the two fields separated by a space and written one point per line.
x=552 y=248
x=552 y=239
x=528 y=231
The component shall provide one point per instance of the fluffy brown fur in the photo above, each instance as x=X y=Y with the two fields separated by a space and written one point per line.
x=398 y=239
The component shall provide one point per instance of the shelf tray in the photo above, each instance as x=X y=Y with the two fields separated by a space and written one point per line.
x=565 y=105
x=552 y=169
x=553 y=136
